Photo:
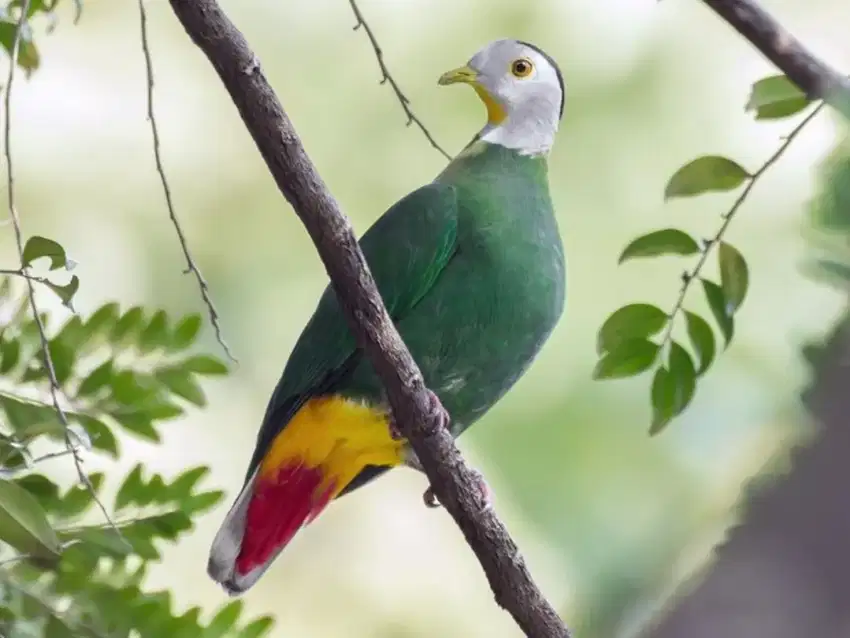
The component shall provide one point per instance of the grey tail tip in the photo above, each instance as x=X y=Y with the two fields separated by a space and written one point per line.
x=231 y=589
x=225 y=579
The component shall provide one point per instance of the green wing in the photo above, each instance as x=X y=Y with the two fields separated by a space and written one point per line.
x=406 y=249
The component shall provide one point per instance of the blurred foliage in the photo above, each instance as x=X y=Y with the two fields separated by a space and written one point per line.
x=624 y=343
x=61 y=575
x=830 y=220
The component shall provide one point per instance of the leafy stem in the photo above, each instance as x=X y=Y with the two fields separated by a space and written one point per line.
x=689 y=277
x=626 y=342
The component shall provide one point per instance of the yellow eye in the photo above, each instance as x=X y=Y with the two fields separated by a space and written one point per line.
x=522 y=68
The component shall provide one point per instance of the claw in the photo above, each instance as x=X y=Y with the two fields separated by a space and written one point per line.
x=436 y=411
x=431 y=501
x=395 y=433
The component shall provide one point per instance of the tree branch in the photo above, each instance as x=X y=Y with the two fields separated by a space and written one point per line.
x=418 y=417
x=814 y=77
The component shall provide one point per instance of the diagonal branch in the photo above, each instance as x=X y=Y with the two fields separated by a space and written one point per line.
x=386 y=77
x=72 y=441
x=814 y=77
x=191 y=266
x=420 y=420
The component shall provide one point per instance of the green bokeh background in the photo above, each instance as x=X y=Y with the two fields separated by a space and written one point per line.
x=608 y=518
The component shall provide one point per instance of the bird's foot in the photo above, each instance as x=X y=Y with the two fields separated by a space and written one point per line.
x=430 y=499
x=395 y=433
x=435 y=412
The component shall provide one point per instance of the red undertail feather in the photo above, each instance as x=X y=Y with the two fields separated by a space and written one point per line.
x=320 y=451
x=280 y=506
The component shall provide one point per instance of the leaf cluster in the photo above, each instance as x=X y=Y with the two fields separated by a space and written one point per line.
x=639 y=337
x=121 y=373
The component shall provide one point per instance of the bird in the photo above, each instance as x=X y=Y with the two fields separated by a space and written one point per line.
x=471 y=269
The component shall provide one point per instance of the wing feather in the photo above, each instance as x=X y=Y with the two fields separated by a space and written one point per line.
x=407 y=249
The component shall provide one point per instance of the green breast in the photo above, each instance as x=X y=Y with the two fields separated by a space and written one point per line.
x=493 y=306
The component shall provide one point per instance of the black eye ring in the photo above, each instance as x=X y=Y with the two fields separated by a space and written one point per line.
x=522 y=68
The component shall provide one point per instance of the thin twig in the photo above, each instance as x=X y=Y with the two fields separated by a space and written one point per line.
x=417 y=414
x=30 y=462
x=20 y=272
x=386 y=77
x=191 y=266
x=19 y=240
x=688 y=278
x=814 y=77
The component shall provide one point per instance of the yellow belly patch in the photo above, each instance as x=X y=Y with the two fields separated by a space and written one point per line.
x=338 y=435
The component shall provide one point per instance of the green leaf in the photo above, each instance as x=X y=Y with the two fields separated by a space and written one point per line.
x=105 y=539
x=10 y=351
x=775 y=97
x=672 y=388
x=130 y=388
x=717 y=303
x=198 y=503
x=98 y=378
x=28 y=57
x=681 y=368
x=131 y=489
x=29 y=419
x=204 y=364
x=669 y=241
x=23 y=523
x=128 y=325
x=37 y=247
x=702 y=338
x=224 y=620
x=161 y=410
x=62 y=355
x=99 y=324
x=155 y=333
x=34 y=371
x=258 y=628
x=182 y=384
x=734 y=276
x=185 y=483
x=42 y=488
x=139 y=424
x=663 y=396
x=710 y=173
x=630 y=358
x=100 y=434
x=186 y=332
x=637 y=320
x=78 y=499
x=66 y=293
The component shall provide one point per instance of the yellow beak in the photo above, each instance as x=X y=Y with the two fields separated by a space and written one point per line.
x=496 y=113
x=462 y=74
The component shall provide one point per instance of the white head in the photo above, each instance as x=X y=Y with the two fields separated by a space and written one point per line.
x=523 y=91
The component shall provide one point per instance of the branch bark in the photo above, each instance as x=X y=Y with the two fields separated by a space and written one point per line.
x=814 y=77
x=418 y=416
x=784 y=572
